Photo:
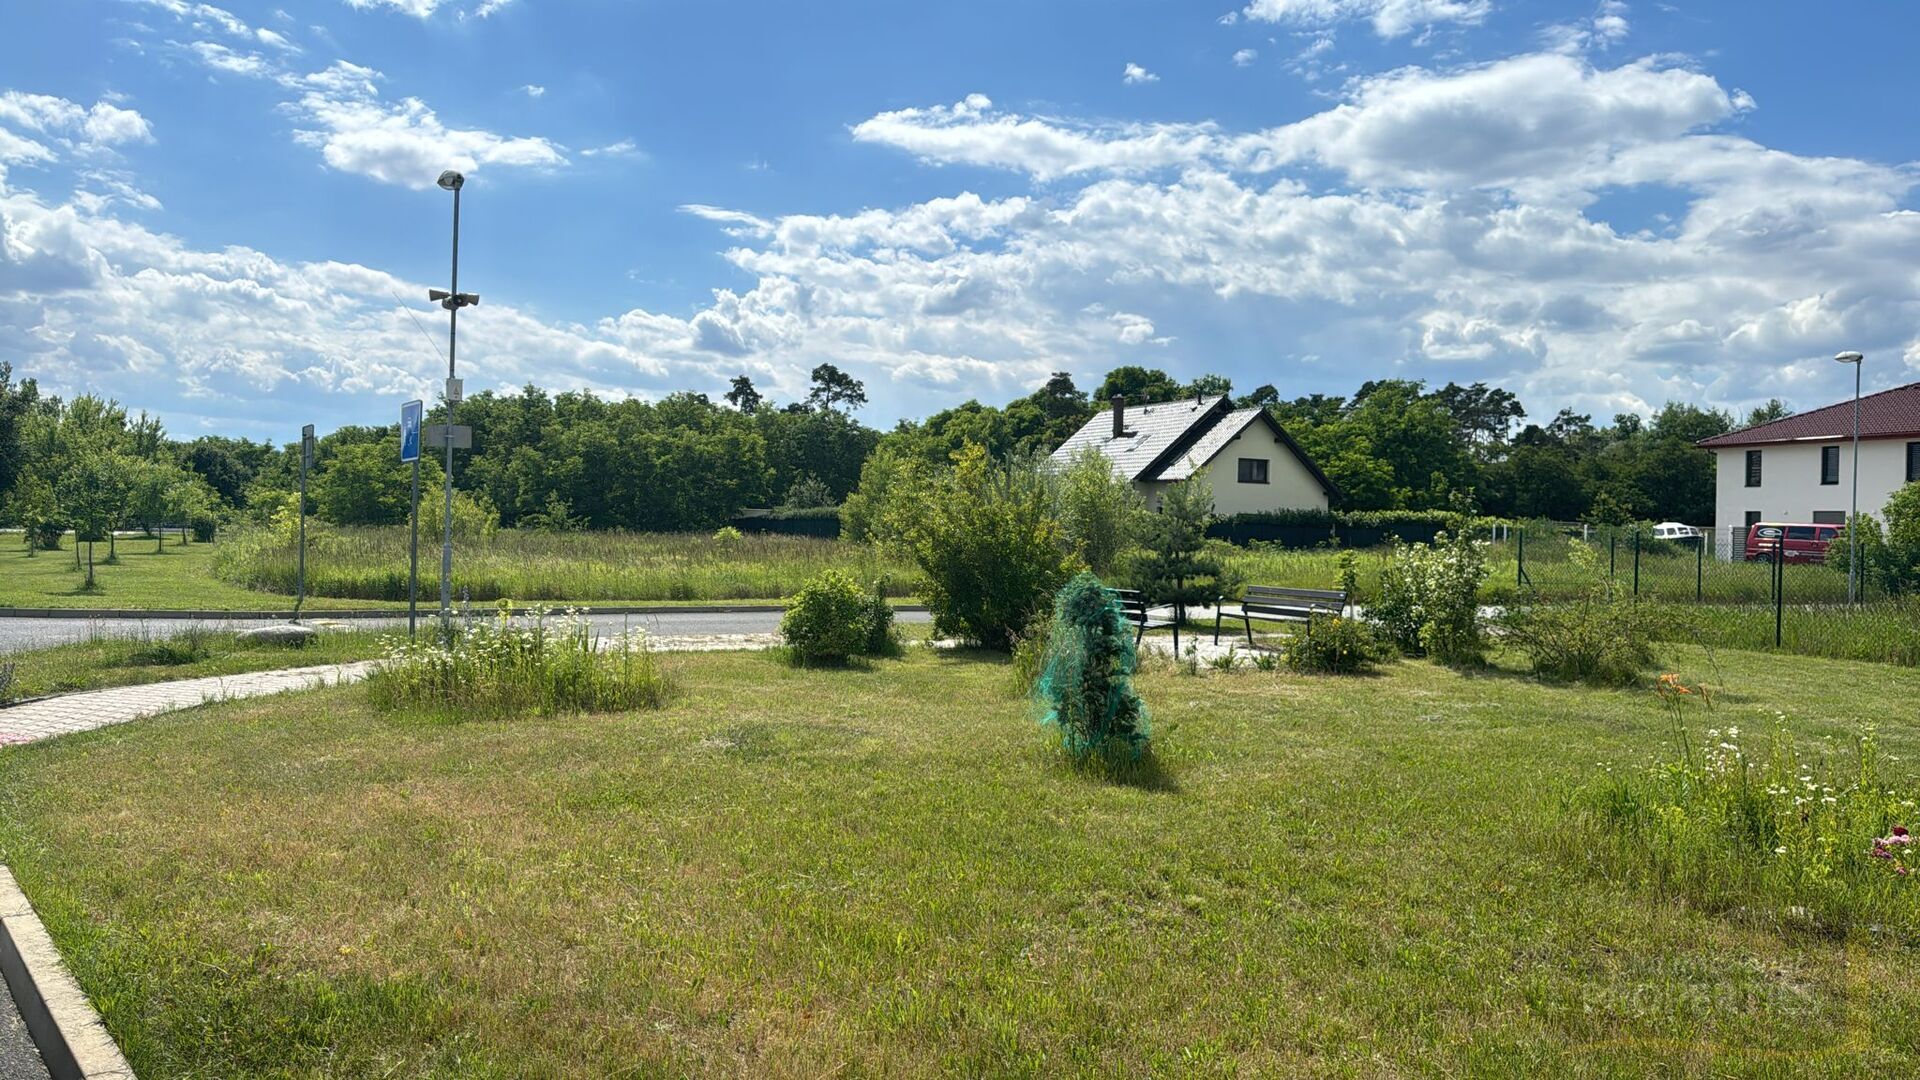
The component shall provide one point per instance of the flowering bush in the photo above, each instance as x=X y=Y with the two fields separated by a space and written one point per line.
x=1334 y=646
x=1430 y=599
x=1817 y=841
x=506 y=667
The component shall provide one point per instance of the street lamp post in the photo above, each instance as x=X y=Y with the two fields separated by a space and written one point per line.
x=1853 y=514
x=453 y=300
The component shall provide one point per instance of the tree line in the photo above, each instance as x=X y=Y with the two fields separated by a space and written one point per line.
x=574 y=460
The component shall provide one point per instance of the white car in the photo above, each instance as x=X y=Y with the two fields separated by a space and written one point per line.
x=1673 y=530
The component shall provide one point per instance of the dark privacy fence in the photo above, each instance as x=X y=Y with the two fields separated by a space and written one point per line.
x=824 y=522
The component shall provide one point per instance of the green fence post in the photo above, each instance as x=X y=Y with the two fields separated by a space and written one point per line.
x=1520 y=558
x=1779 y=587
x=1699 y=568
x=1636 y=562
x=1613 y=544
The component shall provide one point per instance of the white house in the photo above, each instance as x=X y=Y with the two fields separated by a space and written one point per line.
x=1800 y=469
x=1251 y=462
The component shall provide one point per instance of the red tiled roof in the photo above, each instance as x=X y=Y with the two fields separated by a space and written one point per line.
x=1889 y=414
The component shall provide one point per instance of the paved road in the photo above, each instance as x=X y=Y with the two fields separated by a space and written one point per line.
x=17 y=634
x=18 y=1058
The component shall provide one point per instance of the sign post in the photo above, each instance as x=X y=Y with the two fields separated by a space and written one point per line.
x=410 y=416
x=306 y=462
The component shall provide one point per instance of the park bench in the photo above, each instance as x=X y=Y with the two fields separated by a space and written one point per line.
x=1133 y=604
x=1274 y=603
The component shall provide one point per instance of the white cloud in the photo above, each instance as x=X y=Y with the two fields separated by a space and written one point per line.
x=398 y=143
x=275 y=39
x=489 y=7
x=533 y=90
x=1134 y=75
x=1245 y=57
x=419 y=9
x=971 y=132
x=76 y=127
x=623 y=148
x=1131 y=329
x=220 y=58
x=1390 y=18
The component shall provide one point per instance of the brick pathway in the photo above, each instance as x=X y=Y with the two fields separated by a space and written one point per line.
x=69 y=713
x=91 y=709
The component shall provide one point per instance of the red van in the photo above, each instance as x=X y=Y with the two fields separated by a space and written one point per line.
x=1801 y=543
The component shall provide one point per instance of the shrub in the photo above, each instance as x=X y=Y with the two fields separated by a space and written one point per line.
x=1087 y=679
x=828 y=620
x=726 y=536
x=1819 y=844
x=1601 y=638
x=1030 y=653
x=1429 y=599
x=1334 y=646
x=499 y=667
x=1100 y=512
x=882 y=637
x=984 y=535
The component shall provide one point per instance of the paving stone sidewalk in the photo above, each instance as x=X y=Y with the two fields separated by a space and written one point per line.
x=68 y=713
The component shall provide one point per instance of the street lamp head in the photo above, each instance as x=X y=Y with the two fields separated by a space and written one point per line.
x=1848 y=358
x=451 y=180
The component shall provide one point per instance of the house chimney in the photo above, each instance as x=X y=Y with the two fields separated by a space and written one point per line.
x=1119 y=416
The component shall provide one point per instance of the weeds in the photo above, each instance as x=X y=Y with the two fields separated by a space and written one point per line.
x=500 y=668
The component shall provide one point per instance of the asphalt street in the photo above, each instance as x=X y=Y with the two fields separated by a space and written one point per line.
x=17 y=634
x=18 y=1058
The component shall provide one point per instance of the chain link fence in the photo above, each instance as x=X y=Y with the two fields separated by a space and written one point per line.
x=1716 y=588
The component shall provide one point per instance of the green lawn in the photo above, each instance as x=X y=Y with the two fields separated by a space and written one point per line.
x=182 y=653
x=888 y=871
x=178 y=578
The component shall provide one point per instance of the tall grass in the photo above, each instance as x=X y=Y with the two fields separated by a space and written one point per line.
x=581 y=567
x=502 y=667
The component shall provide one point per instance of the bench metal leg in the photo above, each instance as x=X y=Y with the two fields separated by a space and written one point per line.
x=1249 y=624
x=1217 y=615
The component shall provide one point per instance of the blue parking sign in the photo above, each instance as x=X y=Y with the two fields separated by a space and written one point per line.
x=410 y=416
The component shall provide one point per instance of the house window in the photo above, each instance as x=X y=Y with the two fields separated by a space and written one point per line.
x=1829 y=464
x=1753 y=468
x=1829 y=517
x=1753 y=518
x=1253 y=470
x=1913 y=462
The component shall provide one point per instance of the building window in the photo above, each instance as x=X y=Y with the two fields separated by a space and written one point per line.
x=1753 y=518
x=1829 y=517
x=1913 y=462
x=1753 y=468
x=1829 y=464
x=1253 y=470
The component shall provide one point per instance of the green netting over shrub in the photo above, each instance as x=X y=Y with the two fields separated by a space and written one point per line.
x=1087 y=683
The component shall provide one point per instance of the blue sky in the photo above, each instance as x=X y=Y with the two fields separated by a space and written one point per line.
x=225 y=213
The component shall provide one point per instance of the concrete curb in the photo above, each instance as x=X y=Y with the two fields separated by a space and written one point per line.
x=388 y=613
x=73 y=1042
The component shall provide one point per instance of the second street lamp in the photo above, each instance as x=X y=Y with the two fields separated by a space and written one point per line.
x=453 y=300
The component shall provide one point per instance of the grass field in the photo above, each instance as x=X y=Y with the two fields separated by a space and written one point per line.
x=888 y=871
x=596 y=567
x=126 y=659
x=180 y=578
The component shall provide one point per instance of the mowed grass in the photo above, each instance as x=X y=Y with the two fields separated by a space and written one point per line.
x=889 y=871
x=177 y=578
x=130 y=656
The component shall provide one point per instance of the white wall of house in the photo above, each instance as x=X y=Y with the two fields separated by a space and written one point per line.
x=1289 y=485
x=1790 y=487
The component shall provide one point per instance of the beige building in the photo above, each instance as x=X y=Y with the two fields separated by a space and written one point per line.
x=1800 y=469
x=1250 y=461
